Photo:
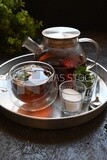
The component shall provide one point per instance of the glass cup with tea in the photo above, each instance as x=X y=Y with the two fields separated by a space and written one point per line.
x=32 y=85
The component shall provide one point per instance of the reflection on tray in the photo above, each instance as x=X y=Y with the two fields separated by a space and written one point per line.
x=47 y=112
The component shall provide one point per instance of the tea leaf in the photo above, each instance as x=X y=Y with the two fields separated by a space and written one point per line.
x=24 y=76
x=84 y=75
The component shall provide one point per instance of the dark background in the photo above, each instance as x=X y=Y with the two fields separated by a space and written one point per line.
x=80 y=14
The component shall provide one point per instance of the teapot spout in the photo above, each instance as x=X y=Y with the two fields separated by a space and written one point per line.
x=32 y=46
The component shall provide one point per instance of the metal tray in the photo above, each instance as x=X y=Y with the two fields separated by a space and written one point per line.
x=51 y=117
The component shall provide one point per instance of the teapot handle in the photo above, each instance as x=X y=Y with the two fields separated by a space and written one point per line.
x=97 y=49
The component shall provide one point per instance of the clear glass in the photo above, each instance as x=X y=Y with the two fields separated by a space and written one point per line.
x=72 y=96
x=90 y=86
x=32 y=85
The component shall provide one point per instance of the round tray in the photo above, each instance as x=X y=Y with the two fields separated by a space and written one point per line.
x=51 y=117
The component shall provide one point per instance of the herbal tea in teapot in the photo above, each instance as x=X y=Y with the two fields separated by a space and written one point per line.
x=61 y=48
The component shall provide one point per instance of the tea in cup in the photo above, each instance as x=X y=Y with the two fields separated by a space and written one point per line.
x=34 y=83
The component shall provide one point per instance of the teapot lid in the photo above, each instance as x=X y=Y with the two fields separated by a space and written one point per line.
x=61 y=32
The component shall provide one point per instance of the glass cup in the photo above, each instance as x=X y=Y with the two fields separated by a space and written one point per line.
x=72 y=96
x=89 y=80
x=32 y=85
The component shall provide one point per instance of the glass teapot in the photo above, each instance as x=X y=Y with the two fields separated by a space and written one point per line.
x=61 y=48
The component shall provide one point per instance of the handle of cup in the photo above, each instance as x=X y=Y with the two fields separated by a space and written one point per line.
x=89 y=40
x=2 y=78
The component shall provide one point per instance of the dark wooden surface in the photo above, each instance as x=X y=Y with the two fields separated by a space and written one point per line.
x=85 y=142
